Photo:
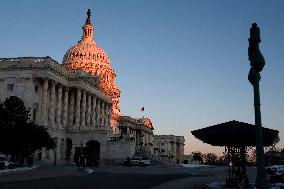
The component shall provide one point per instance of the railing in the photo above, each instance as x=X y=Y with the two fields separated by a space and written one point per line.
x=121 y=138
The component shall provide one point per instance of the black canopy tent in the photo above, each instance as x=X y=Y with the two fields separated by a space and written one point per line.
x=236 y=137
x=234 y=133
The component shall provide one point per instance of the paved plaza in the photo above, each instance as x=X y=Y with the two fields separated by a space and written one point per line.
x=153 y=177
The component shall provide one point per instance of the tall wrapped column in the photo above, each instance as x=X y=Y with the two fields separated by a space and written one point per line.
x=78 y=107
x=93 y=112
x=88 y=113
x=98 y=116
x=52 y=104
x=65 y=107
x=71 y=110
x=44 y=102
x=83 y=110
x=58 y=109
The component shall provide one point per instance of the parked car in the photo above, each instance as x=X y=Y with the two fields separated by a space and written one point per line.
x=4 y=163
x=275 y=170
x=140 y=161
x=127 y=162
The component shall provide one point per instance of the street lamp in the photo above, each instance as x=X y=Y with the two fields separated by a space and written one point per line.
x=257 y=63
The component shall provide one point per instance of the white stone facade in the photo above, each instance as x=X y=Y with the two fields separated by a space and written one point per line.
x=140 y=130
x=169 y=148
x=139 y=133
x=68 y=104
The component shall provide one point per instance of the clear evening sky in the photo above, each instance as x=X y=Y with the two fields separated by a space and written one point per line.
x=186 y=61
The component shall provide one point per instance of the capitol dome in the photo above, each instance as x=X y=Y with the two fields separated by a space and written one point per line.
x=85 y=50
x=86 y=55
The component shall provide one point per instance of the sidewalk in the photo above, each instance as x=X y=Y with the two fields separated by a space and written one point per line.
x=42 y=172
x=201 y=182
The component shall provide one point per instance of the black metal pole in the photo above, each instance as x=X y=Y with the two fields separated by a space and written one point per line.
x=257 y=63
x=261 y=179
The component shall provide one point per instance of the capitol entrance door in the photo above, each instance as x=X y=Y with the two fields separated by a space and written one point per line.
x=93 y=152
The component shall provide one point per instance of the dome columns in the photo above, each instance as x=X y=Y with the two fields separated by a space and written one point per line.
x=88 y=32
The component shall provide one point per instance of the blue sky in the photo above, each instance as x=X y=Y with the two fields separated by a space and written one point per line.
x=185 y=61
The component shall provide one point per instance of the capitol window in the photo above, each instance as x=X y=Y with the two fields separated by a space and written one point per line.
x=10 y=87
x=36 y=89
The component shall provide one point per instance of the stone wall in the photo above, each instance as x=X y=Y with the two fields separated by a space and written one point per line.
x=120 y=150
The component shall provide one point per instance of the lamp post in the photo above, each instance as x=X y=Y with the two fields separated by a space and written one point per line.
x=257 y=63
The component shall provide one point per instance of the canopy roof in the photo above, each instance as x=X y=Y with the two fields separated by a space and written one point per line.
x=234 y=133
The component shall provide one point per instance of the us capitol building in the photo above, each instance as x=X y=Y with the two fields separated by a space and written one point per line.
x=78 y=102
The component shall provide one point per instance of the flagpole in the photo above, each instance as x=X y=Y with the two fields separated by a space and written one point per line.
x=142 y=110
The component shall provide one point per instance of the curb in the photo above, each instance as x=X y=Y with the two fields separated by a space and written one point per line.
x=23 y=169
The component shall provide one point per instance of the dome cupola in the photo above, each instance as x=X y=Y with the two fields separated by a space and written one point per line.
x=88 y=29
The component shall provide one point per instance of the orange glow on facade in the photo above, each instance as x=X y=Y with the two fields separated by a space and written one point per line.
x=147 y=122
x=88 y=56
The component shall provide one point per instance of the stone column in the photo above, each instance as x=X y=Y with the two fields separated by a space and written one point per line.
x=98 y=117
x=71 y=110
x=127 y=131
x=65 y=110
x=43 y=154
x=2 y=89
x=102 y=114
x=72 y=153
x=175 y=148
x=93 y=111
x=182 y=148
x=44 y=102
x=58 y=110
x=58 y=154
x=52 y=108
x=88 y=113
x=107 y=115
x=146 y=138
x=83 y=110
x=62 y=149
x=77 y=109
x=110 y=116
